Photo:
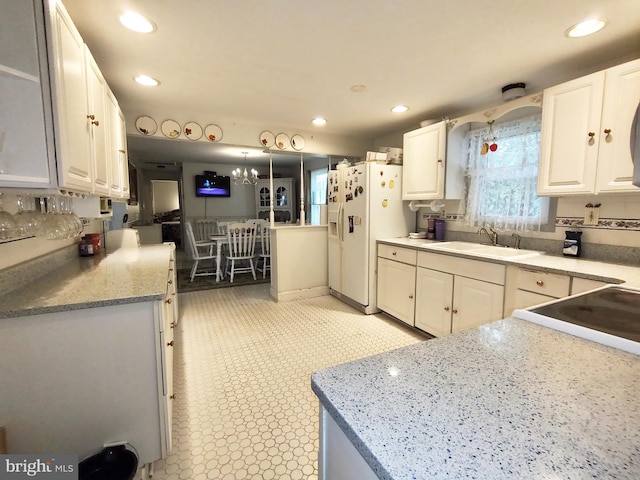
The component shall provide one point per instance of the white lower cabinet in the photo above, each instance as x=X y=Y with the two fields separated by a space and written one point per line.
x=447 y=303
x=528 y=287
x=397 y=282
x=439 y=294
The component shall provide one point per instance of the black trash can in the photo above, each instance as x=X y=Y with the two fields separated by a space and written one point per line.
x=112 y=463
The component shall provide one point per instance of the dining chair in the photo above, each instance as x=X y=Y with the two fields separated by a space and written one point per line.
x=241 y=243
x=201 y=250
x=204 y=227
x=265 y=251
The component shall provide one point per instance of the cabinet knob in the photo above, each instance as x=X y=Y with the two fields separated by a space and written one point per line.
x=592 y=139
x=172 y=397
x=446 y=309
x=172 y=325
x=439 y=160
x=169 y=282
x=455 y=310
x=411 y=296
x=393 y=253
x=170 y=344
x=168 y=300
x=607 y=131
x=91 y=117
x=539 y=283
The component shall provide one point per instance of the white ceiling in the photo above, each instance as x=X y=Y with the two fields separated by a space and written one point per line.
x=284 y=62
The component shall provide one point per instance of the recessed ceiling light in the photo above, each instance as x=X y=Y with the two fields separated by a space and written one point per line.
x=136 y=22
x=147 y=81
x=358 y=88
x=399 y=109
x=319 y=121
x=585 y=28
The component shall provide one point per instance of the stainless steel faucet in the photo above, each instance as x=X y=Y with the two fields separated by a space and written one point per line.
x=516 y=240
x=493 y=236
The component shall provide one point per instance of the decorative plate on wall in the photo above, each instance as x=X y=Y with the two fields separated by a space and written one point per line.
x=171 y=129
x=213 y=133
x=297 y=142
x=282 y=141
x=192 y=131
x=146 y=125
x=267 y=139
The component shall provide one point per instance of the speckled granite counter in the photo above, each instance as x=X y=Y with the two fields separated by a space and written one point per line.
x=589 y=269
x=506 y=400
x=128 y=275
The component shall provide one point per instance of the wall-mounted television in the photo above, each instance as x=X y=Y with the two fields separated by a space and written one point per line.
x=213 y=186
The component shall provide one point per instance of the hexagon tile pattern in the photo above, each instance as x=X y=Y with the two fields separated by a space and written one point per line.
x=244 y=408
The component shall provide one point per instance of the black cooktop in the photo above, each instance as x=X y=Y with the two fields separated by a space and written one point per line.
x=613 y=310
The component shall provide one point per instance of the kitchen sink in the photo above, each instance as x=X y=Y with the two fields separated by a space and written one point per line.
x=489 y=251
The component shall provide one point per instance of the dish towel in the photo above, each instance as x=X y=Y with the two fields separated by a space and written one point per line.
x=635 y=147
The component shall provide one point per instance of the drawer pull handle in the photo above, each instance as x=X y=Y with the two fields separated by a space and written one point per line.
x=539 y=283
x=446 y=309
x=170 y=344
x=168 y=300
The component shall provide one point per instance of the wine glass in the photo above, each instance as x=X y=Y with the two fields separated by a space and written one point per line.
x=54 y=225
x=8 y=226
x=27 y=218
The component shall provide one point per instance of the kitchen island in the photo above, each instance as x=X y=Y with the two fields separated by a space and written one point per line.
x=506 y=400
x=87 y=350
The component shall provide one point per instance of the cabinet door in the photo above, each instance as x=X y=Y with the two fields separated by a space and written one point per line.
x=116 y=152
x=569 y=138
x=97 y=116
x=475 y=303
x=70 y=111
x=396 y=289
x=434 y=294
x=621 y=98
x=423 y=163
x=26 y=153
x=168 y=339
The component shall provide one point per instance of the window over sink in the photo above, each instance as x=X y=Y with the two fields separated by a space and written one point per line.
x=501 y=176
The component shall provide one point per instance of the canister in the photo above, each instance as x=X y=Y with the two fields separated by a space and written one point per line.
x=440 y=227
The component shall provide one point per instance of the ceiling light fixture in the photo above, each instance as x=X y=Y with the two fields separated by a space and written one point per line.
x=585 y=28
x=136 y=22
x=399 y=109
x=358 y=88
x=147 y=81
x=241 y=177
x=319 y=121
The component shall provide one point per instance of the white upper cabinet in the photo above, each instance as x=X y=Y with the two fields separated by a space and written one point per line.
x=98 y=120
x=26 y=138
x=586 y=126
x=72 y=126
x=423 y=165
x=117 y=149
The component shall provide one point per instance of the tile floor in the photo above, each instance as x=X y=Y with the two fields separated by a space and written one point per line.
x=244 y=408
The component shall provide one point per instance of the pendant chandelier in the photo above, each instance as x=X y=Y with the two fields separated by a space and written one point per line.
x=244 y=177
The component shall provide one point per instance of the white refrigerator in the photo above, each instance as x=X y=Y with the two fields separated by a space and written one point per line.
x=364 y=205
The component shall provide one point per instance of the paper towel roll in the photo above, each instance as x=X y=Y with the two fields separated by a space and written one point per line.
x=324 y=218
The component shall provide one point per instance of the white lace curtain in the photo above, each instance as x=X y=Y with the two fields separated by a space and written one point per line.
x=501 y=183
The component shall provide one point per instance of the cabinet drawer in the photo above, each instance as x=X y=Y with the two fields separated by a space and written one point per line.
x=485 y=271
x=580 y=285
x=544 y=283
x=404 y=255
x=525 y=299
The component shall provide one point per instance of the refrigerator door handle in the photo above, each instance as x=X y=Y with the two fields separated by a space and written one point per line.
x=340 y=222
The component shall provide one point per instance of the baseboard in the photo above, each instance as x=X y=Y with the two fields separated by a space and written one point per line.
x=299 y=294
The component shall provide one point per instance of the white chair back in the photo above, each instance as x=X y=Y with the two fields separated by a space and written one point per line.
x=191 y=240
x=265 y=239
x=241 y=240
x=204 y=227
x=222 y=227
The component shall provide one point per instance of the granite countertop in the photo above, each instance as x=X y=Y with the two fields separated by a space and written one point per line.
x=510 y=399
x=589 y=269
x=128 y=275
